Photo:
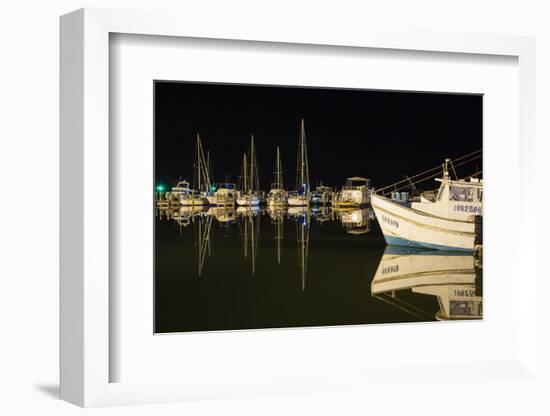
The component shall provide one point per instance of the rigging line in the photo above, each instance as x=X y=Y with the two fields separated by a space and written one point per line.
x=404 y=186
x=397 y=189
x=432 y=175
x=430 y=170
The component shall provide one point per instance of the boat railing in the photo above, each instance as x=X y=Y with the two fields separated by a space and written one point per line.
x=354 y=187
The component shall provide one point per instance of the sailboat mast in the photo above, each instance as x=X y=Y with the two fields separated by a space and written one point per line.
x=245 y=174
x=251 y=164
x=203 y=175
x=302 y=177
x=199 y=175
x=278 y=171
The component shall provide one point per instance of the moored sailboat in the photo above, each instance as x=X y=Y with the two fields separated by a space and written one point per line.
x=277 y=196
x=301 y=197
x=191 y=197
x=250 y=193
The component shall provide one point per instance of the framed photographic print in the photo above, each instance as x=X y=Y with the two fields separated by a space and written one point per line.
x=242 y=212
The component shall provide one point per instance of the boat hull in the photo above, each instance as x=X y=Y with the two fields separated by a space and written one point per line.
x=298 y=201
x=193 y=202
x=248 y=202
x=220 y=201
x=404 y=226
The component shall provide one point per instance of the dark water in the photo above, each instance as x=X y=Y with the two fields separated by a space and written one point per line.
x=243 y=269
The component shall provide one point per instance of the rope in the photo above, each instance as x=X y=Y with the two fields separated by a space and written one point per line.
x=405 y=183
x=430 y=170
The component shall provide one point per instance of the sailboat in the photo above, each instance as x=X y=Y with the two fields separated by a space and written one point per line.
x=187 y=196
x=301 y=197
x=250 y=193
x=277 y=195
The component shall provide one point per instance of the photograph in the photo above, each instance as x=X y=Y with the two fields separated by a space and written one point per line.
x=280 y=206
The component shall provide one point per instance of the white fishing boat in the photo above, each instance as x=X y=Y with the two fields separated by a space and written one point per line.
x=277 y=196
x=301 y=197
x=355 y=193
x=443 y=221
x=449 y=276
x=250 y=193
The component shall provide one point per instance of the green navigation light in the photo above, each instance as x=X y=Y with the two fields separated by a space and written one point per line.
x=160 y=188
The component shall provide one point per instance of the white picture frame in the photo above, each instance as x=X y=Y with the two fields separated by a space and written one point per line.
x=85 y=166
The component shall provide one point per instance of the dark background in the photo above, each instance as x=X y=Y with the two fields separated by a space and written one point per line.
x=381 y=135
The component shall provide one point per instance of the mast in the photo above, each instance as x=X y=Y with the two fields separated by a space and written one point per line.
x=278 y=171
x=203 y=176
x=245 y=174
x=254 y=185
x=251 y=164
x=302 y=169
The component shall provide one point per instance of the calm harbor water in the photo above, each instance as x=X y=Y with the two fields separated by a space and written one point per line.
x=219 y=269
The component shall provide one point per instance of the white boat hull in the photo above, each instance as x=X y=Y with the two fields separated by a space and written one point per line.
x=216 y=200
x=404 y=226
x=276 y=203
x=298 y=201
x=193 y=201
x=248 y=202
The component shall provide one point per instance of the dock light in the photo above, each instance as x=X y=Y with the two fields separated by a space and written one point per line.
x=160 y=188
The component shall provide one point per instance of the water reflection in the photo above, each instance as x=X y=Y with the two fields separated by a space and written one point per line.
x=454 y=279
x=355 y=221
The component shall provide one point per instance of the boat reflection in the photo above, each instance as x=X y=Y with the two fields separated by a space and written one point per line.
x=302 y=238
x=183 y=215
x=248 y=220
x=277 y=216
x=452 y=277
x=249 y=225
x=357 y=221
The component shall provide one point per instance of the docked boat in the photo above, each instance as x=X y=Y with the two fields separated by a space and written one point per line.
x=443 y=221
x=277 y=196
x=355 y=193
x=191 y=197
x=222 y=194
x=301 y=197
x=250 y=194
x=322 y=195
x=449 y=276
x=187 y=196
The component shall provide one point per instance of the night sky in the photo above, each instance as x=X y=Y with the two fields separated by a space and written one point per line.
x=381 y=135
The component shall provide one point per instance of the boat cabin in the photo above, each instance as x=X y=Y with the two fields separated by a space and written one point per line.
x=356 y=184
x=457 y=199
